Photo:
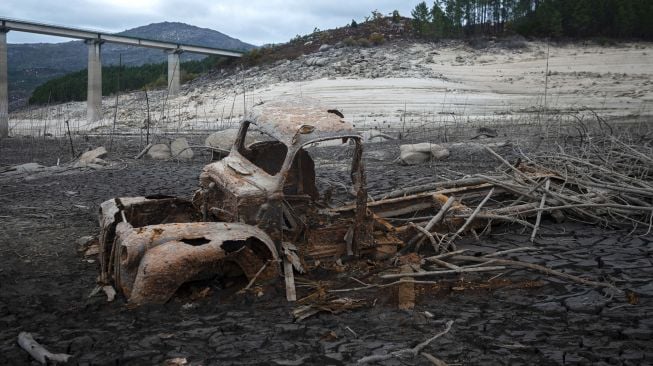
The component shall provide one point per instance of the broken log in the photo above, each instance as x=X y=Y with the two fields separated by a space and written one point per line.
x=469 y=219
x=412 y=352
x=291 y=293
x=447 y=271
x=144 y=151
x=539 y=213
x=406 y=291
x=536 y=267
x=38 y=352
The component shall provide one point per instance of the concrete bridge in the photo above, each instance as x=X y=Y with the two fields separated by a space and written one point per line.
x=94 y=41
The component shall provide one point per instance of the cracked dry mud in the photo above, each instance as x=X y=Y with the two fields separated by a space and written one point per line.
x=525 y=319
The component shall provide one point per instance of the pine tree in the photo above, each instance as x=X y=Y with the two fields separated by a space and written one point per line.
x=422 y=20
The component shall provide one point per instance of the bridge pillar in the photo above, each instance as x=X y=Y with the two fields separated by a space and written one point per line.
x=94 y=91
x=4 y=95
x=174 y=73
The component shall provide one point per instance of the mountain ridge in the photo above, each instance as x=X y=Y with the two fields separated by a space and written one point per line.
x=31 y=64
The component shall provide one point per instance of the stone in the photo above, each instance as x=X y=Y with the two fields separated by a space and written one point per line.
x=325 y=47
x=26 y=168
x=591 y=302
x=412 y=154
x=316 y=61
x=179 y=149
x=92 y=157
x=414 y=157
x=225 y=139
x=438 y=152
x=159 y=152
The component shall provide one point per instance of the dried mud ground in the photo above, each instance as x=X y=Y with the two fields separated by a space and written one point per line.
x=521 y=318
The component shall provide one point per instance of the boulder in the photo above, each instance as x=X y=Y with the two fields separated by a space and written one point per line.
x=414 y=157
x=419 y=153
x=316 y=61
x=92 y=157
x=179 y=149
x=225 y=139
x=26 y=168
x=439 y=152
x=159 y=152
x=325 y=47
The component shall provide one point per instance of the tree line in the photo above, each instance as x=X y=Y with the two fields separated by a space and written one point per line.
x=73 y=86
x=539 y=18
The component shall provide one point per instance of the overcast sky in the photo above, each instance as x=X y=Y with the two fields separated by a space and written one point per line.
x=253 y=21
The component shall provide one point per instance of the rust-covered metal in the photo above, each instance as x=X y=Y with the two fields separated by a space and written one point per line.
x=152 y=262
x=300 y=121
x=251 y=206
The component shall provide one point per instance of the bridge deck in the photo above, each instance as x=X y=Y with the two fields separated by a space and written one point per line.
x=69 y=32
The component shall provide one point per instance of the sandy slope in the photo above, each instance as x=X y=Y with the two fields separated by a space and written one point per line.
x=429 y=83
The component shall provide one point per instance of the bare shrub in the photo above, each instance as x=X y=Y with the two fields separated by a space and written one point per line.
x=376 y=38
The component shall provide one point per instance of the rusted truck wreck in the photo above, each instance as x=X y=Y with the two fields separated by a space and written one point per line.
x=257 y=212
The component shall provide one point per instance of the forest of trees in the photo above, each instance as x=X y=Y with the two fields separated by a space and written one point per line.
x=73 y=86
x=539 y=18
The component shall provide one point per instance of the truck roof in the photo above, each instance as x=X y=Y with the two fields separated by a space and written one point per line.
x=299 y=121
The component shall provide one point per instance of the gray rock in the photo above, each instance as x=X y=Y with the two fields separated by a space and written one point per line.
x=224 y=139
x=159 y=152
x=422 y=152
x=26 y=168
x=179 y=149
x=92 y=157
x=325 y=47
x=591 y=302
x=84 y=240
x=316 y=61
x=414 y=157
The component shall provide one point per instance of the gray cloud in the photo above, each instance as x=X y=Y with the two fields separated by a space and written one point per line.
x=255 y=21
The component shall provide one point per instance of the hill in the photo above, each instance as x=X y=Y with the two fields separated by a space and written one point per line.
x=33 y=64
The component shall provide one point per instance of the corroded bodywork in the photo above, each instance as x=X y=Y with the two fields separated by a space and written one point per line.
x=149 y=247
x=271 y=184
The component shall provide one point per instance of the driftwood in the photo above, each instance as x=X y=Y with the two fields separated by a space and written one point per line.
x=407 y=352
x=434 y=360
x=447 y=271
x=291 y=292
x=253 y=280
x=470 y=219
x=429 y=226
x=539 y=213
x=143 y=152
x=539 y=268
x=39 y=353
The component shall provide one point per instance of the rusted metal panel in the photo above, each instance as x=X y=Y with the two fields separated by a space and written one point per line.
x=138 y=211
x=300 y=121
x=151 y=262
